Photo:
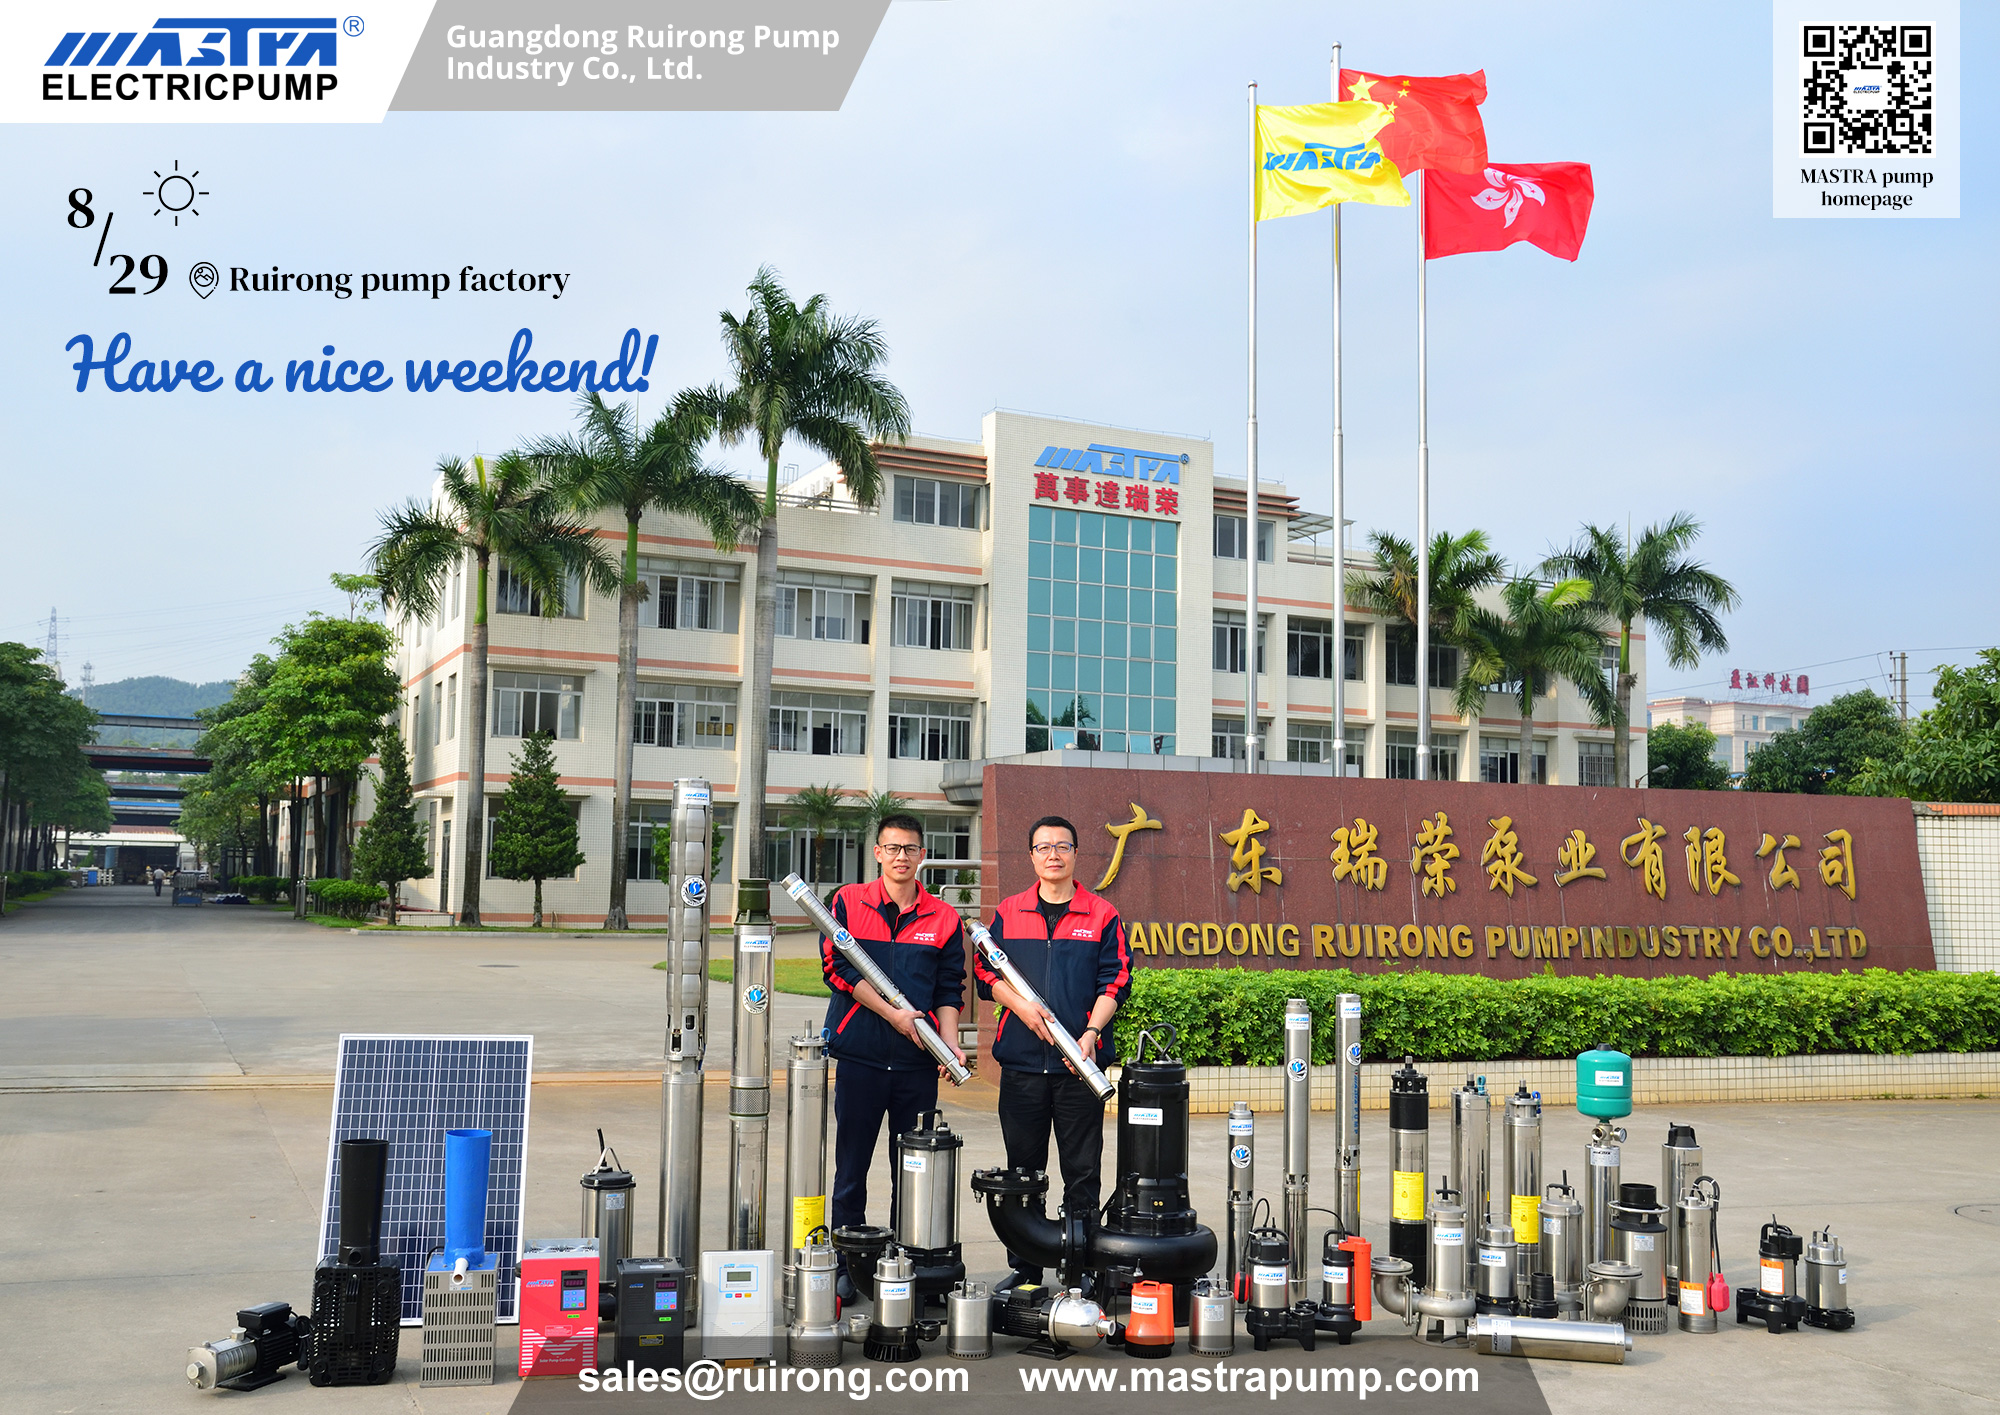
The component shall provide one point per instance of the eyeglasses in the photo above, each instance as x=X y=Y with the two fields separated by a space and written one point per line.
x=901 y=852
x=1057 y=849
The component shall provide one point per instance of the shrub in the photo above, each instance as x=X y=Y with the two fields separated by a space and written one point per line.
x=1235 y=1016
x=20 y=882
x=267 y=888
x=349 y=898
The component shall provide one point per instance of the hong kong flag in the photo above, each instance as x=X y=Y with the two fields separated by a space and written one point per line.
x=1546 y=203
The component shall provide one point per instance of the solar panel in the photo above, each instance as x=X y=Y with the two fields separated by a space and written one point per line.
x=409 y=1090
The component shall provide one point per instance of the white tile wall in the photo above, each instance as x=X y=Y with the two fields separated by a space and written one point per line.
x=1961 y=864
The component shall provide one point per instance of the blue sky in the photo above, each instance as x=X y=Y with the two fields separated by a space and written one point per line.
x=1042 y=205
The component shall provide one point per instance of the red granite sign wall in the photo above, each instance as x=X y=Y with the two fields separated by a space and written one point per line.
x=1214 y=869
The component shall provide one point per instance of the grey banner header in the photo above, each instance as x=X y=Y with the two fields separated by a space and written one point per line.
x=638 y=55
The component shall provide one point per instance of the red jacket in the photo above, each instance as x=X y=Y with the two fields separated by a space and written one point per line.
x=922 y=950
x=1085 y=958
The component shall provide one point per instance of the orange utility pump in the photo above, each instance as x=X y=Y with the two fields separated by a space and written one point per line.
x=1149 y=1330
x=1364 y=1288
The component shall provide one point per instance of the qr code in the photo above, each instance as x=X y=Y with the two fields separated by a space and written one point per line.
x=1866 y=89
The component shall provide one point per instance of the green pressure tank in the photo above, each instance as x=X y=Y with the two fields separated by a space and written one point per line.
x=1604 y=1083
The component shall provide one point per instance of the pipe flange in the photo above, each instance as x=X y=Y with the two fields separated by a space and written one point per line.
x=1010 y=1183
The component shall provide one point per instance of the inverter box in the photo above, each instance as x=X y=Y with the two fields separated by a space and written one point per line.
x=559 y=1278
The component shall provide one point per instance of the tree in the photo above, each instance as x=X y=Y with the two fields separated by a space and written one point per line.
x=364 y=592
x=392 y=846
x=1461 y=566
x=43 y=732
x=1953 y=751
x=1682 y=758
x=319 y=712
x=820 y=811
x=607 y=466
x=506 y=511
x=239 y=761
x=220 y=814
x=801 y=372
x=534 y=829
x=1651 y=580
x=1828 y=749
x=1544 y=634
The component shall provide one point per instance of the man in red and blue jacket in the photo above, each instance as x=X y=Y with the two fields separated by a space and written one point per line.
x=1069 y=945
x=883 y=1071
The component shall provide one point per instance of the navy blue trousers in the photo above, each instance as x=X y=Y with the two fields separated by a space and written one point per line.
x=863 y=1096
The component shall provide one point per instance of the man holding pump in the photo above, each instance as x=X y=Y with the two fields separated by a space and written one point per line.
x=1069 y=945
x=883 y=1071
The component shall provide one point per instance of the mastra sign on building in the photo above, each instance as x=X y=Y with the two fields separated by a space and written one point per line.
x=1212 y=869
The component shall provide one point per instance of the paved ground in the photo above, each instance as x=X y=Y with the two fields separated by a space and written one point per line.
x=135 y=1219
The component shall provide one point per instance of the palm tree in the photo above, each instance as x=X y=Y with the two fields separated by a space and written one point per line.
x=1652 y=580
x=1460 y=567
x=820 y=810
x=506 y=511
x=806 y=373
x=607 y=465
x=1544 y=634
x=876 y=807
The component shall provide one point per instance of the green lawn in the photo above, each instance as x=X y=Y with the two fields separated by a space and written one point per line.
x=794 y=975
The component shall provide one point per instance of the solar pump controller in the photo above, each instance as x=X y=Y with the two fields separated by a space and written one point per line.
x=558 y=1306
x=651 y=1325
x=739 y=1306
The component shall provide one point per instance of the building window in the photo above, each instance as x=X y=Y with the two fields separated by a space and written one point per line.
x=1230 y=540
x=947 y=838
x=1308 y=741
x=1225 y=738
x=1725 y=752
x=937 y=503
x=1401 y=645
x=701 y=715
x=527 y=703
x=451 y=707
x=831 y=608
x=648 y=828
x=1777 y=724
x=1608 y=658
x=1401 y=757
x=835 y=855
x=929 y=731
x=1354 y=753
x=1226 y=654
x=931 y=616
x=516 y=596
x=437 y=711
x=1103 y=645
x=1309 y=651
x=1500 y=760
x=493 y=805
x=1356 y=655
x=457 y=584
x=819 y=724
x=1594 y=764
x=688 y=602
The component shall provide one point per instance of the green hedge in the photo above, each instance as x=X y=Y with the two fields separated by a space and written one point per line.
x=20 y=882
x=1235 y=1016
x=267 y=888
x=349 y=898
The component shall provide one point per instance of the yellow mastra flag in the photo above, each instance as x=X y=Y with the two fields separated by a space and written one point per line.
x=1312 y=155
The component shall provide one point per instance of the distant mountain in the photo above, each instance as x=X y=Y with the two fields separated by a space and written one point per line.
x=158 y=697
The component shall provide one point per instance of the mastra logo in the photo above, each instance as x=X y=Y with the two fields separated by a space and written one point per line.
x=1361 y=157
x=204 y=50
x=1100 y=459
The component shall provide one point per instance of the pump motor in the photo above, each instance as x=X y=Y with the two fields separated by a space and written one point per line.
x=1775 y=1300
x=1827 y=1292
x=1056 y=1322
x=267 y=1338
x=1271 y=1315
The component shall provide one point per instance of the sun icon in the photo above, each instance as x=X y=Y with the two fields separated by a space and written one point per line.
x=175 y=193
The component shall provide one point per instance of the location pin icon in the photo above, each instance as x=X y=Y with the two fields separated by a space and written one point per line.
x=203 y=278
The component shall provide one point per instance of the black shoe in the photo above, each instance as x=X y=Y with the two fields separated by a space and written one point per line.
x=844 y=1288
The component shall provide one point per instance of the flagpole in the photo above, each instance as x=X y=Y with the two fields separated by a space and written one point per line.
x=1250 y=606
x=1339 y=504
x=1423 y=514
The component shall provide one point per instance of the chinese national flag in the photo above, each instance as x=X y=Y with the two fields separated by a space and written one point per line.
x=1546 y=203
x=1437 y=124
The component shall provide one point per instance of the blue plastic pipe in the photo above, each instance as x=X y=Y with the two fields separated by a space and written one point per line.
x=468 y=1156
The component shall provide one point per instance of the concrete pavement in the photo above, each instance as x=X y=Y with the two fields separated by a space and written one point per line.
x=134 y=1222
